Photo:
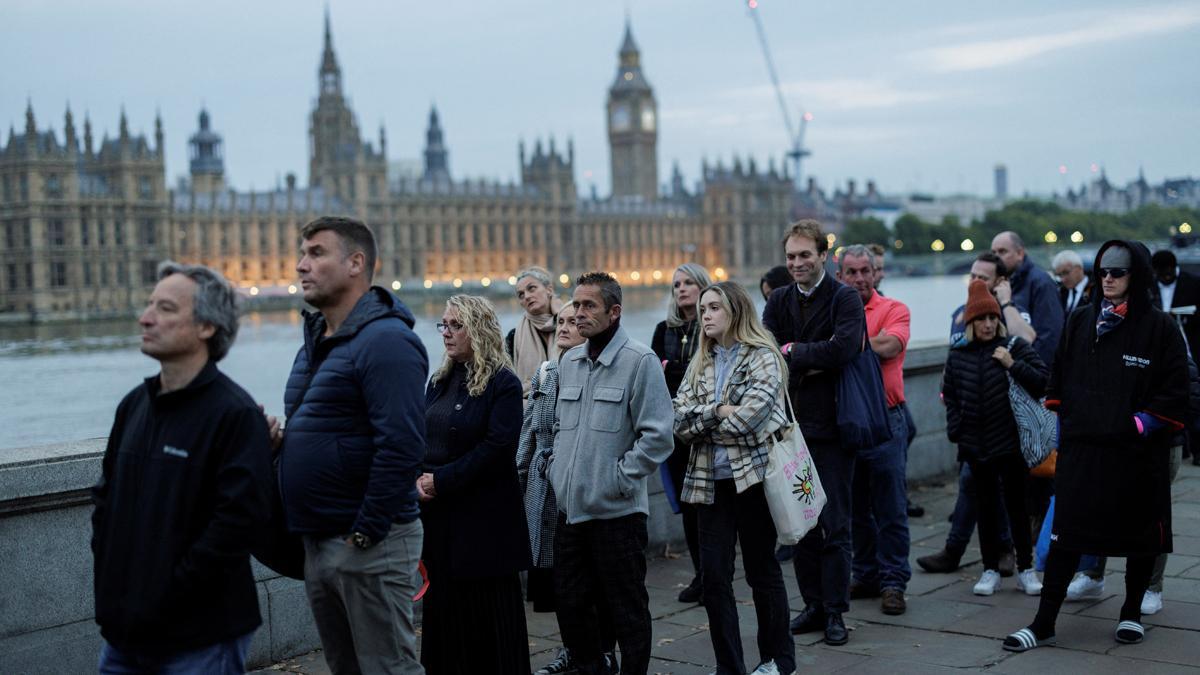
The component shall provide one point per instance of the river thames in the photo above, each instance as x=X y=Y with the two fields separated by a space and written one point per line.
x=62 y=382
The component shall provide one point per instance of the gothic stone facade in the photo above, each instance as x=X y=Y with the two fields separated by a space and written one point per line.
x=82 y=231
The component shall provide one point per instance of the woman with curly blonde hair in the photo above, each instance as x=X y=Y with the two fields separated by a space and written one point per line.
x=476 y=540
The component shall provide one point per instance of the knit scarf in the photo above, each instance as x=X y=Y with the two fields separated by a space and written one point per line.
x=1110 y=317
x=533 y=343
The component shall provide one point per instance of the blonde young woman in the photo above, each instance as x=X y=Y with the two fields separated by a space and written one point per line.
x=476 y=541
x=531 y=343
x=729 y=404
x=675 y=340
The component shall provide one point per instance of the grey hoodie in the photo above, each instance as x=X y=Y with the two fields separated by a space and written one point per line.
x=613 y=429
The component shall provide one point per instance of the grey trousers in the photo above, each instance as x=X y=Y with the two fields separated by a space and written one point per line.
x=1160 y=561
x=362 y=600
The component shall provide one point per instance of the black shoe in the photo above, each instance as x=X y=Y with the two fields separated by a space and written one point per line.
x=835 y=631
x=860 y=590
x=810 y=620
x=694 y=593
x=1008 y=564
x=942 y=562
x=915 y=511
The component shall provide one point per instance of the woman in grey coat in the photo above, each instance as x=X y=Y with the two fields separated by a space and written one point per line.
x=533 y=460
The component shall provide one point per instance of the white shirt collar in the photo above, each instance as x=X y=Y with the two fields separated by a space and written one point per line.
x=808 y=294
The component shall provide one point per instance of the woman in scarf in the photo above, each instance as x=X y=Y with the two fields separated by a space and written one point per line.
x=675 y=342
x=531 y=343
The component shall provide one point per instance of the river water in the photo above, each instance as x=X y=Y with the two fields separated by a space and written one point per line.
x=62 y=382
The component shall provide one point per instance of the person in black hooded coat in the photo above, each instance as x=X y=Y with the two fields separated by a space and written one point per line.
x=1120 y=386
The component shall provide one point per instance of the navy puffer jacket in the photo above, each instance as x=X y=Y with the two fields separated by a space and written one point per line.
x=353 y=448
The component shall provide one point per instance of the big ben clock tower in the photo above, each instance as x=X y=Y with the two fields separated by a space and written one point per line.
x=632 y=127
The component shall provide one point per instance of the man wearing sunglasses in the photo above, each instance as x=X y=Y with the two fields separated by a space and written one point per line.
x=1120 y=386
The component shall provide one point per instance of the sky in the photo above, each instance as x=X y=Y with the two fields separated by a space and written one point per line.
x=918 y=96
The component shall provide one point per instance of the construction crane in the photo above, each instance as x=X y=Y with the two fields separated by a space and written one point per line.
x=797 y=152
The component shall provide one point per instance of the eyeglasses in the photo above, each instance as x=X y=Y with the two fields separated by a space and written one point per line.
x=1114 y=272
x=452 y=327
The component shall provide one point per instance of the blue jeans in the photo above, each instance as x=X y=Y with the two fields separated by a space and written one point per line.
x=880 y=516
x=224 y=658
x=966 y=510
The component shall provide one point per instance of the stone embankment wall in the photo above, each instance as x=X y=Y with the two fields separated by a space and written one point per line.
x=46 y=606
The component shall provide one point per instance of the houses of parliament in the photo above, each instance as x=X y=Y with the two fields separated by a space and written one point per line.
x=85 y=224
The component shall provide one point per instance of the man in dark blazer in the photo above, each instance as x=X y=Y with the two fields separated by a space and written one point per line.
x=1074 y=285
x=1176 y=288
x=820 y=326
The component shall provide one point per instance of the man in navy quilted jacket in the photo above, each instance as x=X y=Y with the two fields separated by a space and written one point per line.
x=352 y=451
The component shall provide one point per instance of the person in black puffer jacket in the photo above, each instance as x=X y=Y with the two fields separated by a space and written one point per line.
x=980 y=420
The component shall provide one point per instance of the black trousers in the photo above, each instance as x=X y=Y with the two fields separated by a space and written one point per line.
x=677 y=466
x=731 y=518
x=1060 y=569
x=823 y=557
x=603 y=558
x=1010 y=471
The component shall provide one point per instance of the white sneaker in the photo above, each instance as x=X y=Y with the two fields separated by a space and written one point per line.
x=988 y=583
x=1083 y=587
x=768 y=668
x=1028 y=581
x=1151 y=603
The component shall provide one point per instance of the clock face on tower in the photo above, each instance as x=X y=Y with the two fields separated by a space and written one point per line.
x=620 y=117
x=647 y=119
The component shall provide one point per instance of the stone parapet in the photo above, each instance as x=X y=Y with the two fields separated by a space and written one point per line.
x=46 y=602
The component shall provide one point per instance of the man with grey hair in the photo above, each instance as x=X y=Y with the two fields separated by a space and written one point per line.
x=1074 y=286
x=879 y=520
x=182 y=494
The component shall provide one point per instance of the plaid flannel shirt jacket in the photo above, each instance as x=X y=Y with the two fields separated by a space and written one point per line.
x=755 y=385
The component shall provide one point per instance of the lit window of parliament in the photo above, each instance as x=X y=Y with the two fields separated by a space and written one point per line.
x=83 y=228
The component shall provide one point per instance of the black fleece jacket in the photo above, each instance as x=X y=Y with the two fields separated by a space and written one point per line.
x=181 y=498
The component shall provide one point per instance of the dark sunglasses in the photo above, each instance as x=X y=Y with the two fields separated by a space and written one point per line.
x=1114 y=272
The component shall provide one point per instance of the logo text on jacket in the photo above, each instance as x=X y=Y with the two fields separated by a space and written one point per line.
x=1135 y=361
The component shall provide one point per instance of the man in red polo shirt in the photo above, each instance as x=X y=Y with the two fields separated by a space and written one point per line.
x=880 y=518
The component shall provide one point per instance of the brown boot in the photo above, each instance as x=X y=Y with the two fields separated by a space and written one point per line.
x=892 y=602
x=942 y=562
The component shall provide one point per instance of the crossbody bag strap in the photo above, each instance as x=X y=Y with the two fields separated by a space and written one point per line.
x=833 y=321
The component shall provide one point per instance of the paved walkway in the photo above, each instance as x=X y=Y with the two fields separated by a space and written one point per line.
x=946 y=627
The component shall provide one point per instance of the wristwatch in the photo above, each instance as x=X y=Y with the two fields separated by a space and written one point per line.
x=361 y=540
x=1006 y=305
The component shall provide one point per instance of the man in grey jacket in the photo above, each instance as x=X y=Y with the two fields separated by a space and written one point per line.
x=614 y=427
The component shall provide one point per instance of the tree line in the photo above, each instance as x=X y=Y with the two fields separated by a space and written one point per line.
x=1039 y=223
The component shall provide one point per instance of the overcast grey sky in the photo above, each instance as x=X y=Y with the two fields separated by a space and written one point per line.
x=915 y=95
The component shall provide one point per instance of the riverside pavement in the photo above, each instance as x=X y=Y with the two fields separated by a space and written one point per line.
x=946 y=628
